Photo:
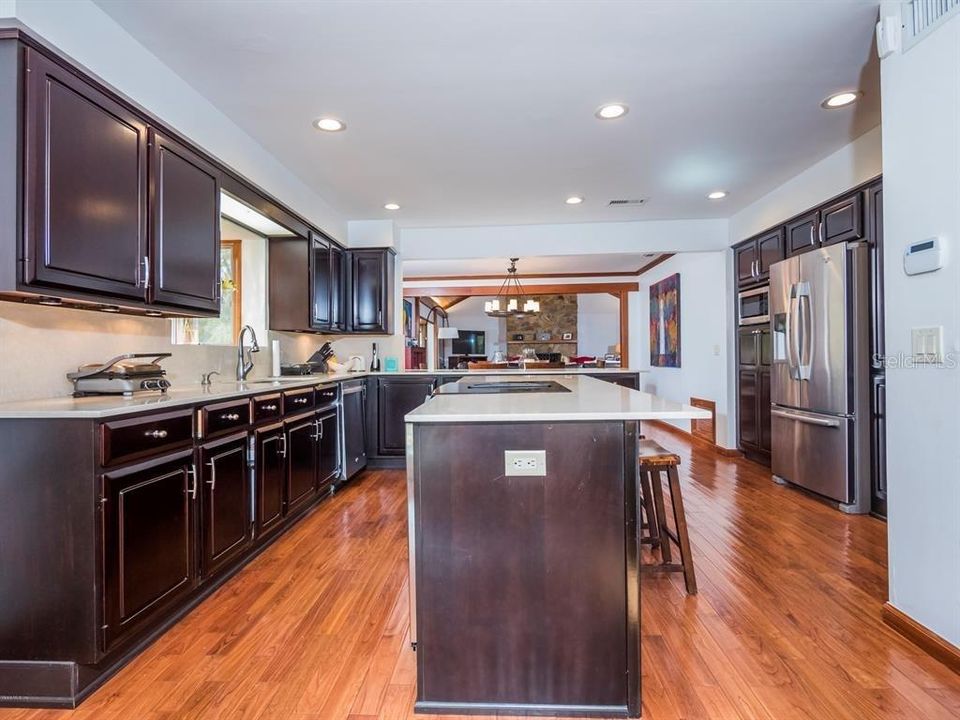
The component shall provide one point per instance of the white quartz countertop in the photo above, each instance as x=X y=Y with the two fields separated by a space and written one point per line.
x=106 y=406
x=588 y=399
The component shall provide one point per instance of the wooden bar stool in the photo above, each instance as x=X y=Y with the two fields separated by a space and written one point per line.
x=654 y=461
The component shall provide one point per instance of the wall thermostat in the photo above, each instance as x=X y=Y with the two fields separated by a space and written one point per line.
x=924 y=256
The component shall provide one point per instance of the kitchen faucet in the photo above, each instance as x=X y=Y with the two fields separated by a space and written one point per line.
x=245 y=366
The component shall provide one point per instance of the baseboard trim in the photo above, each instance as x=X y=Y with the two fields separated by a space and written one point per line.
x=924 y=638
x=686 y=435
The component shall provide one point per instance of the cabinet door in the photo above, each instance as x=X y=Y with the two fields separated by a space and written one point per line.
x=302 y=436
x=320 y=285
x=397 y=397
x=745 y=257
x=354 y=428
x=747 y=407
x=764 y=432
x=328 y=461
x=184 y=228
x=842 y=221
x=225 y=520
x=801 y=234
x=769 y=251
x=748 y=351
x=271 y=464
x=148 y=542
x=338 y=299
x=875 y=195
x=368 y=290
x=85 y=186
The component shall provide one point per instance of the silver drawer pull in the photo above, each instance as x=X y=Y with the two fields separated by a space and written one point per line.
x=300 y=401
x=268 y=408
x=230 y=416
x=156 y=434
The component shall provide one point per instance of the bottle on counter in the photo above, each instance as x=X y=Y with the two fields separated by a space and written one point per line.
x=375 y=360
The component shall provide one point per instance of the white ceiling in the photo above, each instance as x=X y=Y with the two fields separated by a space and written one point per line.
x=626 y=263
x=480 y=112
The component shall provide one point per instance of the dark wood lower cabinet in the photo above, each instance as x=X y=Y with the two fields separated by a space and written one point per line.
x=396 y=397
x=747 y=407
x=225 y=493
x=271 y=452
x=302 y=433
x=754 y=355
x=149 y=560
x=328 y=459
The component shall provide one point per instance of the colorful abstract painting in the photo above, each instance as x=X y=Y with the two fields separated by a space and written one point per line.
x=665 y=322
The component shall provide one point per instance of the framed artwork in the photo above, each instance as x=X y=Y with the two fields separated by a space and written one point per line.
x=407 y=319
x=665 y=322
x=567 y=336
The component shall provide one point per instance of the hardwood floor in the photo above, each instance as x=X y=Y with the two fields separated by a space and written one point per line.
x=786 y=625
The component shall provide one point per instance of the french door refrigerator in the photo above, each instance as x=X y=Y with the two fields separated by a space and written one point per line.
x=820 y=375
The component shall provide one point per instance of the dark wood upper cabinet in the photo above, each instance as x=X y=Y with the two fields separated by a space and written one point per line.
x=745 y=262
x=184 y=228
x=371 y=290
x=842 y=221
x=769 y=251
x=801 y=234
x=338 y=286
x=225 y=491
x=148 y=539
x=320 y=311
x=85 y=186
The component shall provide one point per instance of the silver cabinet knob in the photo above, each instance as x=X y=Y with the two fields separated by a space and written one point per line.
x=230 y=416
x=300 y=401
x=268 y=408
x=156 y=434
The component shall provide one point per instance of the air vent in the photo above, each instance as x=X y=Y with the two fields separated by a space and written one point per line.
x=617 y=203
x=922 y=15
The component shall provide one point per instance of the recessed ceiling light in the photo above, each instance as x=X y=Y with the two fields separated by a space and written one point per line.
x=611 y=111
x=329 y=124
x=391 y=206
x=574 y=200
x=841 y=99
x=717 y=195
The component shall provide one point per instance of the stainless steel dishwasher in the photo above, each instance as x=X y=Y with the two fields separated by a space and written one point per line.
x=354 y=427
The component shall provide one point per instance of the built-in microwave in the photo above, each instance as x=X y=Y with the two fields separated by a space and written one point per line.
x=753 y=306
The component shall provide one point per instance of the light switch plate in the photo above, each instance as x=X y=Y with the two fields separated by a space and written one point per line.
x=525 y=462
x=926 y=344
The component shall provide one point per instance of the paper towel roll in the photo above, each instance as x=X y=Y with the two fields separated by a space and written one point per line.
x=275 y=358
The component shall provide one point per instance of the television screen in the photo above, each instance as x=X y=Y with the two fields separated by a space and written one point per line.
x=470 y=342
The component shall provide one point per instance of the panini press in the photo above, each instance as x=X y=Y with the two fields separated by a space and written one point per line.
x=123 y=375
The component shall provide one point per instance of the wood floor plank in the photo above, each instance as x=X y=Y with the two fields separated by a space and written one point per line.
x=786 y=625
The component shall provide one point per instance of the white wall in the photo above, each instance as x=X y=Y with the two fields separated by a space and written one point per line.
x=598 y=324
x=90 y=37
x=469 y=315
x=704 y=335
x=921 y=157
x=567 y=239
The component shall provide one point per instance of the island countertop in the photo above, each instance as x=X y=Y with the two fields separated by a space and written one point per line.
x=587 y=399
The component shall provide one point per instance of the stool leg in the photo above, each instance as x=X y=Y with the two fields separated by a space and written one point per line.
x=683 y=540
x=653 y=527
x=655 y=481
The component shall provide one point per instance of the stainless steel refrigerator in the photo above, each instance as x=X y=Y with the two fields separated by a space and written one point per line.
x=820 y=377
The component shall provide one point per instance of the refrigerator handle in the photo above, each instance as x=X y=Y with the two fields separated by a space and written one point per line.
x=793 y=361
x=808 y=419
x=805 y=353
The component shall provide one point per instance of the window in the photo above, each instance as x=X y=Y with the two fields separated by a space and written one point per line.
x=222 y=330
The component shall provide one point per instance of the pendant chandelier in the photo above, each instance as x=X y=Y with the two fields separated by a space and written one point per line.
x=511 y=301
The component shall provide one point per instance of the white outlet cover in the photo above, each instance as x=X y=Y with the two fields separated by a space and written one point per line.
x=525 y=462
x=927 y=344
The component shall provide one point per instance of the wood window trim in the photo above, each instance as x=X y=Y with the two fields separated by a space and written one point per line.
x=237 y=270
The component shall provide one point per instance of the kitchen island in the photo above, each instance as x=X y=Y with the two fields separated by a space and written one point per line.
x=524 y=545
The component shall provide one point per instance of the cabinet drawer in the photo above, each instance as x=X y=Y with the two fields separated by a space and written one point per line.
x=141 y=437
x=224 y=417
x=297 y=400
x=267 y=407
x=326 y=395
